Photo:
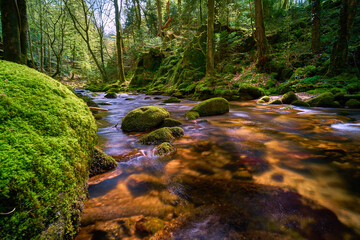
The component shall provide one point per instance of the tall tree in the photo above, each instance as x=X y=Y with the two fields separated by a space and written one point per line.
x=158 y=6
x=260 y=34
x=14 y=29
x=315 y=25
x=120 y=64
x=339 y=54
x=210 y=62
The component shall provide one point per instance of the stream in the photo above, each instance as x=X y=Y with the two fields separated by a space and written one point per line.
x=257 y=172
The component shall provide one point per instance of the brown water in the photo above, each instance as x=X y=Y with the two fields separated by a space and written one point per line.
x=258 y=172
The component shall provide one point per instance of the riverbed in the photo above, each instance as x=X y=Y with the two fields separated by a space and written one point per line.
x=257 y=172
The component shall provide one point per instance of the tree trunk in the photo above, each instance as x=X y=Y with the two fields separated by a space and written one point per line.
x=120 y=64
x=41 y=41
x=200 y=12
x=260 y=34
x=24 y=28
x=33 y=65
x=158 y=5
x=251 y=20
x=286 y=3
x=11 y=31
x=180 y=16
x=339 y=55
x=210 y=64
x=315 y=25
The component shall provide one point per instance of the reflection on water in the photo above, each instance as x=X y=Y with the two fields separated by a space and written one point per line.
x=258 y=172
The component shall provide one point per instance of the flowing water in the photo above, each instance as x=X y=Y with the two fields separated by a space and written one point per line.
x=258 y=172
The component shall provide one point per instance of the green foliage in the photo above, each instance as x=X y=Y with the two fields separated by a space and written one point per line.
x=353 y=103
x=165 y=134
x=47 y=136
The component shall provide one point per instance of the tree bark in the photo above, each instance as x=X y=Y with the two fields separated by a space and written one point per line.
x=210 y=62
x=24 y=28
x=200 y=12
x=180 y=16
x=315 y=25
x=339 y=55
x=10 y=30
x=120 y=64
x=158 y=5
x=260 y=34
x=286 y=3
x=33 y=65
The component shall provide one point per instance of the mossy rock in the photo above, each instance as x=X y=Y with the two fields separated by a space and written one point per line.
x=172 y=100
x=323 y=100
x=300 y=103
x=129 y=99
x=212 y=106
x=170 y=122
x=352 y=103
x=111 y=95
x=192 y=115
x=277 y=101
x=149 y=225
x=47 y=137
x=165 y=134
x=101 y=162
x=260 y=101
x=164 y=149
x=144 y=118
x=289 y=97
x=249 y=92
x=265 y=98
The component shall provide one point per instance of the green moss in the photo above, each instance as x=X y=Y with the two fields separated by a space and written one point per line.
x=172 y=100
x=144 y=118
x=260 y=101
x=170 y=122
x=353 y=103
x=165 y=134
x=111 y=95
x=300 y=103
x=47 y=137
x=265 y=98
x=323 y=100
x=149 y=225
x=249 y=92
x=289 y=97
x=212 y=106
x=164 y=149
x=277 y=101
x=101 y=162
x=191 y=115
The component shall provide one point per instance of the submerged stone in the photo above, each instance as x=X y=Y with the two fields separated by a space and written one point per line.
x=165 y=134
x=212 y=106
x=111 y=95
x=149 y=225
x=144 y=118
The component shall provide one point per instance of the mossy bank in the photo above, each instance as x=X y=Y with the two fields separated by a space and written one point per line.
x=47 y=137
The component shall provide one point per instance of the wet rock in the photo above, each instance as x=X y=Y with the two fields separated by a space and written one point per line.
x=165 y=134
x=140 y=184
x=169 y=198
x=277 y=101
x=147 y=98
x=164 y=149
x=265 y=98
x=323 y=100
x=144 y=118
x=289 y=97
x=191 y=115
x=172 y=100
x=157 y=98
x=300 y=103
x=212 y=106
x=170 y=122
x=277 y=177
x=260 y=101
x=101 y=162
x=149 y=225
x=129 y=99
x=353 y=103
x=242 y=174
x=111 y=95
x=249 y=92
x=127 y=156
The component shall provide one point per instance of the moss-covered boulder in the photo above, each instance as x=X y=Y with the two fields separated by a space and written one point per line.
x=172 y=100
x=212 y=106
x=101 y=162
x=265 y=98
x=47 y=138
x=289 y=97
x=249 y=92
x=165 y=134
x=144 y=118
x=192 y=115
x=111 y=95
x=352 y=103
x=170 y=122
x=323 y=100
x=277 y=101
x=300 y=103
x=260 y=101
x=164 y=149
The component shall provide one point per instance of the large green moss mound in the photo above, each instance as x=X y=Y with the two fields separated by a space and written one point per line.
x=212 y=106
x=47 y=137
x=144 y=118
x=165 y=134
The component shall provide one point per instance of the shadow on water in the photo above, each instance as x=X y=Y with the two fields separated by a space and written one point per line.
x=258 y=172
